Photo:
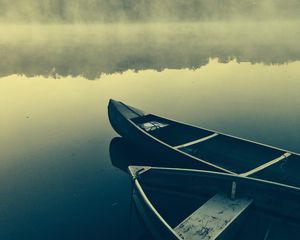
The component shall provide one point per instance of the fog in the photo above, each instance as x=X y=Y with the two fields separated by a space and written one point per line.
x=71 y=11
x=94 y=49
x=92 y=37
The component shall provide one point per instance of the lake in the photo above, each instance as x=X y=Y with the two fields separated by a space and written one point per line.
x=62 y=169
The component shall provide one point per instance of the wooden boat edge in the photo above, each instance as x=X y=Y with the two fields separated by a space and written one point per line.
x=134 y=174
x=211 y=130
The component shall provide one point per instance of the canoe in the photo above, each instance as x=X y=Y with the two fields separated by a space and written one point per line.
x=182 y=145
x=206 y=205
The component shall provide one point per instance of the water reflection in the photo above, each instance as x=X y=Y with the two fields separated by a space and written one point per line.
x=122 y=154
x=91 y=50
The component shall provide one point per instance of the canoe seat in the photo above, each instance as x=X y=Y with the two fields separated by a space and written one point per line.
x=214 y=219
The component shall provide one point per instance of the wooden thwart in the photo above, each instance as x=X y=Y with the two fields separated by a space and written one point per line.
x=212 y=219
x=197 y=141
x=268 y=164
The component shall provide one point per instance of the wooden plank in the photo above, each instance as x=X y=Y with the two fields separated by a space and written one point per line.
x=276 y=160
x=211 y=220
x=196 y=141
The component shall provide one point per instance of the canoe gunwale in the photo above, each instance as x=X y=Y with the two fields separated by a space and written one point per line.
x=153 y=209
x=223 y=174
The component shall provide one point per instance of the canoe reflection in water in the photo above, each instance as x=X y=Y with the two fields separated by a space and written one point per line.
x=122 y=154
x=176 y=195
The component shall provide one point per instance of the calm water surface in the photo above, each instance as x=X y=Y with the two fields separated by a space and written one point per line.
x=61 y=174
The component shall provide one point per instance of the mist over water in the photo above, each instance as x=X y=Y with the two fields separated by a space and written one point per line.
x=90 y=50
x=88 y=38
x=144 y=11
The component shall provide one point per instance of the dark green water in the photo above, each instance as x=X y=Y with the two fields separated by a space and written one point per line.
x=57 y=178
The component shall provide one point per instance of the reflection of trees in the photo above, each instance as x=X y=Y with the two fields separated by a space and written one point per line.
x=138 y=49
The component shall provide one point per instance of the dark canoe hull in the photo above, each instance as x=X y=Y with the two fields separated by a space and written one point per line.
x=119 y=117
x=276 y=201
x=224 y=153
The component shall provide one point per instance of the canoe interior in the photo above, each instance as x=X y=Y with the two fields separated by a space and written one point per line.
x=127 y=111
x=172 y=133
x=233 y=154
x=271 y=198
x=162 y=198
x=256 y=225
x=176 y=196
x=286 y=171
